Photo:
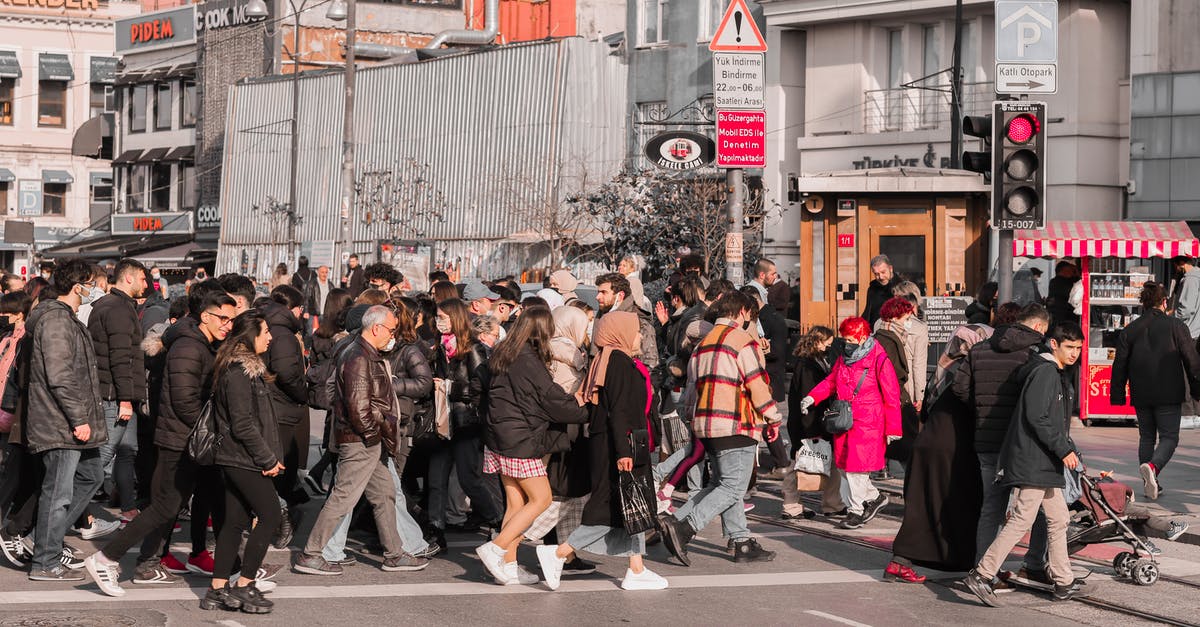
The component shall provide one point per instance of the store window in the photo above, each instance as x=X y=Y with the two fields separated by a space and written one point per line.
x=100 y=99
x=54 y=199
x=52 y=104
x=162 y=107
x=6 y=101
x=652 y=20
x=187 y=187
x=135 y=188
x=160 y=187
x=138 y=95
x=187 y=104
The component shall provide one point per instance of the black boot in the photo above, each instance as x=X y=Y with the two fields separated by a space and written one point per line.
x=283 y=536
x=250 y=600
x=676 y=535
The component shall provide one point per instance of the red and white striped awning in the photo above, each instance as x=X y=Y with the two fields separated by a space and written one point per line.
x=1107 y=239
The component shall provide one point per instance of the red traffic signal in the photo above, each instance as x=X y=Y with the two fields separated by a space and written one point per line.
x=1023 y=128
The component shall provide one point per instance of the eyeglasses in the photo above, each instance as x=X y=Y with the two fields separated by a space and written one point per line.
x=377 y=286
x=390 y=330
x=224 y=320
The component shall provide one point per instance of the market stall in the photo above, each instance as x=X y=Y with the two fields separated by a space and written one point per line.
x=1116 y=259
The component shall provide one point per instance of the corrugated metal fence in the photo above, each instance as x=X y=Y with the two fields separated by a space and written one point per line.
x=474 y=144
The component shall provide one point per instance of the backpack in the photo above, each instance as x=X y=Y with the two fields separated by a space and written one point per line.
x=321 y=378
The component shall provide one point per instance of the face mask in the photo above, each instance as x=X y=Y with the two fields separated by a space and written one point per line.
x=591 y=323
x=443 y=326
x=908 y=324
x=92 y=296
x=391 y=345
x=849 y=348
x=154 y=275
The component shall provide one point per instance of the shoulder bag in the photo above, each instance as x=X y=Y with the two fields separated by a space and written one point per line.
x=205 y=438
x=838 y=418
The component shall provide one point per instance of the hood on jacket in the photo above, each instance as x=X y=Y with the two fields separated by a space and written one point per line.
x=48 y=307
x=187 y=326
x=278 y=315
x=251 y=363
x=1014 y=338
x=153 y=344
x=354 y=317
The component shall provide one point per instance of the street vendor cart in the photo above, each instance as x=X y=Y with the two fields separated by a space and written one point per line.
x=1116 y=259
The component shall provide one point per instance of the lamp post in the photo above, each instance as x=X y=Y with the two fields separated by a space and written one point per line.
x=347 y=10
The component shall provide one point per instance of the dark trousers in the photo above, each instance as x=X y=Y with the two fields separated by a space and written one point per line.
x=22 y=482
x=208 y=501
x=247 y=492
x=294 y=439
x=173 y=483
x=463 y=453
x=1158 y=434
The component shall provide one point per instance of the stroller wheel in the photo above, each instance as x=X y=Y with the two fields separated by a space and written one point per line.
x=1123 y=563
x=1145 y=572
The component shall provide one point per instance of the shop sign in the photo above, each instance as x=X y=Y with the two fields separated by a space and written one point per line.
x=928 y=160
x=1099 y=391
x=208 y=217
x=943 y=315
x=29 y=197
x=82 y=6
x=140 y=223
x=845 y=240
x=741 y=139
x=847 y=206
x=680 y=150
x=220 y=14
x=152 y=31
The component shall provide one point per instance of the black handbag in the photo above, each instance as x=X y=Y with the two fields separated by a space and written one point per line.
x=205 y=439
x=838 y=418
x=636 y=510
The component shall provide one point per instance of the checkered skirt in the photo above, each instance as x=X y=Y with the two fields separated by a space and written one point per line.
x=512 y=466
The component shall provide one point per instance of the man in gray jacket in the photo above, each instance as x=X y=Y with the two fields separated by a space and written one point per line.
x=1187 y=309
x=62 y=418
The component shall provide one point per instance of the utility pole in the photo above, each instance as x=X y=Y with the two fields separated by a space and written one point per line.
x=293 y=211
x=347 y=208
x=956 y=135
x=733 y=237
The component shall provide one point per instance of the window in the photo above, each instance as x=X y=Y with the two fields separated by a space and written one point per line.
x=100 y=99
x=711 y=12
x=931 y=64
x=895 y=99
x=4 y=197
x=6 y=101
x=54 y=199
x=649 y=112
x=187 y=186
x=137 y=108
x=970 y=52
x=187 y=104
x=135 y=188
x=52 y=104
x=162 y=107
x=652 y=18
x=160 y=187
x=102 y=191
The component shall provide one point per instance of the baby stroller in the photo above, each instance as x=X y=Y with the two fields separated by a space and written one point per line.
x=1104 y=520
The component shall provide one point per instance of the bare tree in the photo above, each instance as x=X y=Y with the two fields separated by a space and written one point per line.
x=545 y=214
x=402 y=200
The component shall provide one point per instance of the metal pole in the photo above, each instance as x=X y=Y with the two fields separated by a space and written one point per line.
x=347 y=208
x=733 y=237
x=294 y=174
x=956 y=135
x=1004 y=274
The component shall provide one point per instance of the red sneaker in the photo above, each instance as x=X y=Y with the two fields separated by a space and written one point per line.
x=201 y=564
x=899 y=572
x=172 y=565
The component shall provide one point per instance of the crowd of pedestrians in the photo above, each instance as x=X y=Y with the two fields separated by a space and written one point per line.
x=537 y=417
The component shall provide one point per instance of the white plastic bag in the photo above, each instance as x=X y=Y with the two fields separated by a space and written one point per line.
x=815 y=457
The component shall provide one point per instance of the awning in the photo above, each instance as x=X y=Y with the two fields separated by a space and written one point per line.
x=104 y=70
x=89 y=138
x=1137 y=240
x=100 y=178
x=115 y=246
x=127 y=157
x=129 y=78
x=10 y=65
x=183 y=70
x=60 y=177
x=55 y=67
x=154 y=154
x=182 y=153
x=171 y=257
x=7 y=176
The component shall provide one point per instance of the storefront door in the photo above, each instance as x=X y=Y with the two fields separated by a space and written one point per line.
x=906 y=235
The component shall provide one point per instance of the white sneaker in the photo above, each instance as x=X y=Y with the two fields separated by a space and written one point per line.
x=518 y=576
x=264 y=585
x=492 y=557
x=551 y=563
x=645 y=580
x=105 y=574
x=1149 y=481
x=99 y=529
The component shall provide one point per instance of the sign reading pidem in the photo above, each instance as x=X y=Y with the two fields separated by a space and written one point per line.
x=70 y=5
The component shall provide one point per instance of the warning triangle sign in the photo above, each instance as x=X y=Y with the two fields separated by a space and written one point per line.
x=738 y=32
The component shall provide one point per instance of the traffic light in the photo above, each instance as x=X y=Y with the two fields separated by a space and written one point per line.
x=978 y=126
x=1018 y=165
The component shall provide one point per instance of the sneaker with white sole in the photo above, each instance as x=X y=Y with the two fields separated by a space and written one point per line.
x=518 y=575
x=492 y=557
x=99 y=529
x=551 y=563
x=1176 y=529
x=265 y=585
x=645 y=580
x=106 y=574
x=14 y=550
x=1149 y=481
x=154 y=573
x=70 y=559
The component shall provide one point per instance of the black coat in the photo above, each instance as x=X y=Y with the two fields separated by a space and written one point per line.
x=809 y=372
x=245 y=416
x=186 y=382
x=356 y=283
x=463 y=371
x=1153 y=353
x=116 y=332
x=1039 y=437
x=978 y=313
x=775 y=330
x=621 y=410
x=990 y=381
x=522 y=404
x=57 y=373
x=285 y=360
x=877 y=295
x=412 y=378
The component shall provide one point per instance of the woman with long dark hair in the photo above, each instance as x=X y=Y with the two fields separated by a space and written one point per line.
x=249 y=456
x=329 y=333
x=523 y=406
x=816 y=362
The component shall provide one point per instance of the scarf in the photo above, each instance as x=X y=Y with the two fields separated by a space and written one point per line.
x=863 y=350
x=570 y=323
x=960 y=344
x=615 y=331
x=450 y=344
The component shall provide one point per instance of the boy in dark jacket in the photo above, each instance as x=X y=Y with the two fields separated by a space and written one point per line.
x=1036 y=449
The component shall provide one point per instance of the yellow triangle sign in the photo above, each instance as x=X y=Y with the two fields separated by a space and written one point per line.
x=738 y=32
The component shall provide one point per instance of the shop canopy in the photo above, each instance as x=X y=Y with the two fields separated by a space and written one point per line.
x=1107 y=239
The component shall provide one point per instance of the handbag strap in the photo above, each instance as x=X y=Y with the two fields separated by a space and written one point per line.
x=862 y=377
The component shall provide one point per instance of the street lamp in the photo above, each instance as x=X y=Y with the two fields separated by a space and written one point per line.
x=348 y=182
x=336 y=12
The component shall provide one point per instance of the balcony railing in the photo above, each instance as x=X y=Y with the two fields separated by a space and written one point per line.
x=901 y=109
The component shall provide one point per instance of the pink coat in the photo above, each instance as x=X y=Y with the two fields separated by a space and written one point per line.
x=876 y=410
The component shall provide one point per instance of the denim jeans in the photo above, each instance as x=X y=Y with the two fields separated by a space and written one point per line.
x=1158 y=434
x=727 y=483
x=602 y=540
x=119 y=455
x=72 y=478
x=410 y=532
x=994 y=512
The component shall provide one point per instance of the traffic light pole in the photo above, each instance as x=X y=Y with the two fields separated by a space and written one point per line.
x=1004 y=274
x=956 y=134
x=733 y=237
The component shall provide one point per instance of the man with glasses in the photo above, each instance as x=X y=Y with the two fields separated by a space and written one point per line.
x=187 y=385
x=363 y=409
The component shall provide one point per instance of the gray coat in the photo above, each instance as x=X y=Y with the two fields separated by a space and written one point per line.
x=1187 y=304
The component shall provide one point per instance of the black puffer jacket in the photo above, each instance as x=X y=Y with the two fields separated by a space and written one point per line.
x=1153 y=354
x=522 y=403
x=58 y=377
x=412 y=378
x=116 y=333
x=285 y=360
x=1039 y=437
x=187 y=383
x=245 y=415
x=463 y=373
x=990 y=381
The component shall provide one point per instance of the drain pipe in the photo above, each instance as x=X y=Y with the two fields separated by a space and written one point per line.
x=491 y=28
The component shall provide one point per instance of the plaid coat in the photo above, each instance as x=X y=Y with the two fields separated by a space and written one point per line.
x=732 y=390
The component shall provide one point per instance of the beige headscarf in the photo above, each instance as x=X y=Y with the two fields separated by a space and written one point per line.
x=615 y=331
x=571 y=323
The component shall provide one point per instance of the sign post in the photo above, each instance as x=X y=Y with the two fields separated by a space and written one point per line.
x=739 y=68
x=1026 y=46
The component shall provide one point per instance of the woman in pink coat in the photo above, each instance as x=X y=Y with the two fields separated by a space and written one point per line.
x=876 y=411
